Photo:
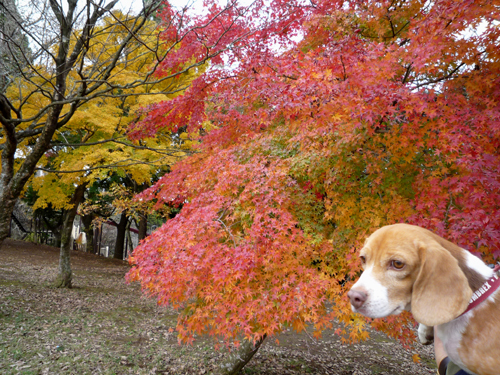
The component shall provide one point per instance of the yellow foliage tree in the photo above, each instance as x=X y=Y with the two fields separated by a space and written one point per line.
x=93 y=146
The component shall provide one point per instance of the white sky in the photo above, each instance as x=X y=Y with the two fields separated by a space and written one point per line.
x=126 y=5
x=136 y=5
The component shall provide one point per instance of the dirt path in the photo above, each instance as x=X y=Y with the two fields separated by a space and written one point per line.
x=104 y=326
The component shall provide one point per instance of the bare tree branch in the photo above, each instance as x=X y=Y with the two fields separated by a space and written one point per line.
x=121 y=164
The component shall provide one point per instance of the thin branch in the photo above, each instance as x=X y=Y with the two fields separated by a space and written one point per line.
x=219 y=220
x=407 y=73
x=109 y=166
x=343 y=68
x=137 y=147
x=443 y=78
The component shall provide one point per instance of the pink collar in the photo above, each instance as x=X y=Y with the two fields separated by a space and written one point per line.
x=485 y=291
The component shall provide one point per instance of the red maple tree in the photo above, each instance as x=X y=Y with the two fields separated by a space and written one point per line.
x=327 y=120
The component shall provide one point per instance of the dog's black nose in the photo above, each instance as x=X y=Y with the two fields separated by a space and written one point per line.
x=357 y=298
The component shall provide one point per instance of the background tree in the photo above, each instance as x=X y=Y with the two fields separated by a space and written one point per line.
x=43 y=101
x=92 y=147
x=384 y=112
x=66 y=70
x=13 y=44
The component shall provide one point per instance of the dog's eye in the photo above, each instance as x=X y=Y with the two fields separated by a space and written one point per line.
x=363 y=259
x=397 y=264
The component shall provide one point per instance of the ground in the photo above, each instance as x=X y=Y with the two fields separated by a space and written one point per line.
x=105 y=326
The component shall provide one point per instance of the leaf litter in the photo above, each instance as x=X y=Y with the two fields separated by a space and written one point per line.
x=105 y=326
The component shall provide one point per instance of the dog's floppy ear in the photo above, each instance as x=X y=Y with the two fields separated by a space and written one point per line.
x=441 y=291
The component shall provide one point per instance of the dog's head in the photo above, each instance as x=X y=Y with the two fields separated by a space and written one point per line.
x=407 y=268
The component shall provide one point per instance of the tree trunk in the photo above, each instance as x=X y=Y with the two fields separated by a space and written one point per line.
x=89 y=233
x=97 y=239
x=129 y=245
x=121 y=229
x=12 y=182
x=8 y=197
x=55 y=229
x=64 y=277
x=234 y=362
x=7 y=204
x=143 y=226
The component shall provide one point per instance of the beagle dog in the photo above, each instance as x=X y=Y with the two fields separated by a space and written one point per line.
x=410 y=268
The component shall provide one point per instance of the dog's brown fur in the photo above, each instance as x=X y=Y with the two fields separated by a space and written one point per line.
x=437 y=283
